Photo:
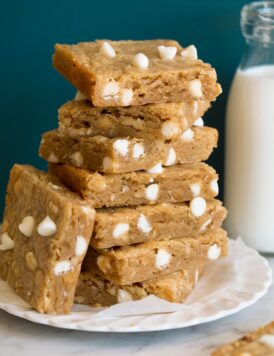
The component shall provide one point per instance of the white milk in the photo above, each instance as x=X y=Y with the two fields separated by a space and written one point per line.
x=249 y=164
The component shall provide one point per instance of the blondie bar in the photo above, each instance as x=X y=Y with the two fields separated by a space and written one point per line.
x=164 y=121
x=123 y=73
x=120 y=155
x=47 y=229
x=127 y=226
x=131 y=264
x=257 y=343
x=175 y=287
x=176 y=184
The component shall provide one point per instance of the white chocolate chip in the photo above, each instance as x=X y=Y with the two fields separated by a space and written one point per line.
x=143 y=224
x=126 y=96
x=120 y=229
x=123 y=296
x=199 y=122
x=88 y=211
x=107 y=50
x=167 y=53
x=187 y=135
x=7 y=242
x=195 y=107
x=79 y=299
x=125 y=189
x=77 y=159
x=138 y=150
x=140 y=61
x=53 y=207
x=121 y=146
x=198 y=206
x=267 y=340
x=195 y=88
x=52 y=158
x=26 y=226
x=190 y=52
x=47 y=227
x=171 y=157
x=196 y=189
x=169 y=129
x=100 y=183
x=162 y=258
x=157 y=169
x=81 y=245
x=111 y=90
x=196 y=277
x=80 y=96
x=205 y=225
x=112 y=197
x=54 y=186
x=62 y=267
x=151 y=180
x=31 y=261
x=107 y=164
x=214 y=186
x=151 y=192
x=213 y=252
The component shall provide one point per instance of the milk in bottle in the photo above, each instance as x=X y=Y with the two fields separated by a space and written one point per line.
x=249 y=157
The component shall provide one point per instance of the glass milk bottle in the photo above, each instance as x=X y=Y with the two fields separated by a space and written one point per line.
x=249 y=159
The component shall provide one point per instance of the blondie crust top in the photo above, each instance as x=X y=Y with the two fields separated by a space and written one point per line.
x=122 y=73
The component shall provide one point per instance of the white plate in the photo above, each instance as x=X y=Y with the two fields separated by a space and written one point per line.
x=226 y=287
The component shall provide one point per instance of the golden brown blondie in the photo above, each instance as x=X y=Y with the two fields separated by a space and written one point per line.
x=176 y=184
x=163 y=121
x=135 y=72
x=258 y=343
x=127 y=226
x=175 y=287
x=120 y=155
x=131 y=264
x=46 y=232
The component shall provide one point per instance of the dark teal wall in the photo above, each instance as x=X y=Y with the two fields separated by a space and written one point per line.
x=31 y=91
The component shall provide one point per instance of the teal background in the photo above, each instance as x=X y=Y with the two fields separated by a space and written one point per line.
x=31 y=91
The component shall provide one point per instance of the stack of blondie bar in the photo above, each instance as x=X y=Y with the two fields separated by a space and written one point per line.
x=131 y=144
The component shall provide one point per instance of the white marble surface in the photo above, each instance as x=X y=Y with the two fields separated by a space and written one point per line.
x=20 y=337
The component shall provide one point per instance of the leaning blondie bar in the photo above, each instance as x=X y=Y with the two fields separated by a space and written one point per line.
x=135 y=72
x=127 y=226
x=120 y=155
x=163 y=121
x=131 y=264
x=257 y=343
x=175 y=184
x=175 y=287
x=47 y=228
